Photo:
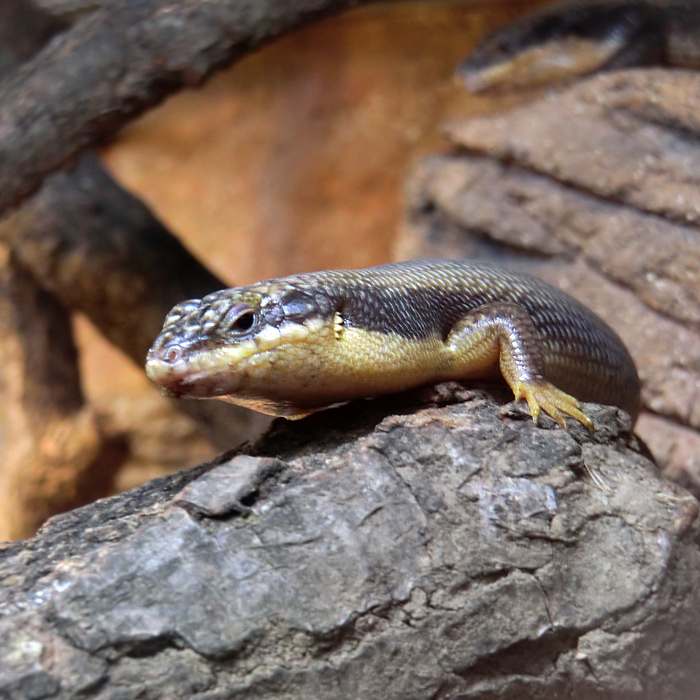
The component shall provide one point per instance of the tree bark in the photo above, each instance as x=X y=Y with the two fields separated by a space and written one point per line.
x=379 y=550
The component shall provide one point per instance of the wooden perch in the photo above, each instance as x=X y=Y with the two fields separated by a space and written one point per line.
x=116 y=62
x=363 y=553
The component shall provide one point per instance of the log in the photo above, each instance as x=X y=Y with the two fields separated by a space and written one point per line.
x=426 y=545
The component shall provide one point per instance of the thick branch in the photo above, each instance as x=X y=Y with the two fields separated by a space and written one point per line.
x=440 y=552
x=103 y=253
x=117 y=62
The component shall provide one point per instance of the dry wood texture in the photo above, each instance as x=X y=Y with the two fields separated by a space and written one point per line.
x=438 y=552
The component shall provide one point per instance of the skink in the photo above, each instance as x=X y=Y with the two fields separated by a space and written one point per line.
x=577 y=37
x=298 y=344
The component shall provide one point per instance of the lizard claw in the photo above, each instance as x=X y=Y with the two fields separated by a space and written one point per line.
x=544 y=396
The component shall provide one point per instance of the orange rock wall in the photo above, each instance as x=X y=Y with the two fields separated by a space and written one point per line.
x=294 y=159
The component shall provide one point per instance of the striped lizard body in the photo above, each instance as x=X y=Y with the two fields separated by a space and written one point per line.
x=298 y=344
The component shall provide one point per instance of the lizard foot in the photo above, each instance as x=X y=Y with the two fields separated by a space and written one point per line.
x=544 y=396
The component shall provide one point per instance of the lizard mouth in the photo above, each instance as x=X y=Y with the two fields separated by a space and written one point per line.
x=203 y=375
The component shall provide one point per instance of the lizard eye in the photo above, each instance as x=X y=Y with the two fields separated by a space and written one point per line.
x=239 y=319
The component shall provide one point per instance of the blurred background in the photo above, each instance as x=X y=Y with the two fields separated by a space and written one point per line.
x=292 y=160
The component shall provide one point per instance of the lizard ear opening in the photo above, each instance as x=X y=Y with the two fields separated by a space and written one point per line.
x=299 y=306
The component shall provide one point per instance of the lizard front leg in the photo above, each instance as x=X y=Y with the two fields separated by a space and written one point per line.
x=504 y=334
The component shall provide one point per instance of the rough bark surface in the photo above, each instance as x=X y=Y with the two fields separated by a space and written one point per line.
x=449 y=551
x=595 y=189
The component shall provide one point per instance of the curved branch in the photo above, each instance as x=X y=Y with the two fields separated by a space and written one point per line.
x=117 y=62
x=101 y=252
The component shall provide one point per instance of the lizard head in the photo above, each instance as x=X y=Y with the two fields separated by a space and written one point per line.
x=226 y=345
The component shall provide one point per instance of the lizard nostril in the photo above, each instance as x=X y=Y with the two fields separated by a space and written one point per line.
x=171 y=354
